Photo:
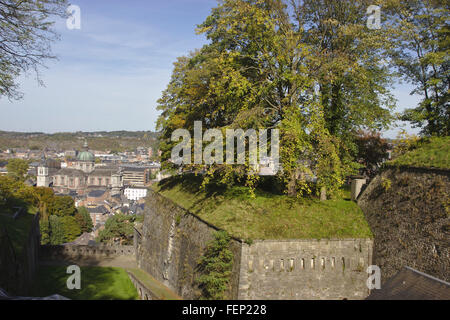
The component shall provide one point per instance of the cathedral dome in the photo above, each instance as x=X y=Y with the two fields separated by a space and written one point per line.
x=86 y=155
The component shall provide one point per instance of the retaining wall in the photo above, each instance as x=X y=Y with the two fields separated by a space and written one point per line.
x=17 y=271
x=172 y=241
x=84 y=251
x=408 y=212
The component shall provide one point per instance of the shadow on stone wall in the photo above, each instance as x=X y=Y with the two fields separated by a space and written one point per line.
x=172 y=240
x=17 y=271
x=408 y=212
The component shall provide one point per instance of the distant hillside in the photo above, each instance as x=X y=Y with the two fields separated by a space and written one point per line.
x=116 y=141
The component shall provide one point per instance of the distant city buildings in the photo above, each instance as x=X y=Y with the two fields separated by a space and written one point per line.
x=105 y=183
x=135 y=193
x=79 y=175
x=136 y=176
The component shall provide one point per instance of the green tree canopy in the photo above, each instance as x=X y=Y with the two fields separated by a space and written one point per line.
x=18 y=169
x=118 y=228
x=71 y=228
x=62 y=206
x=84 y=219
x=57 y=232
x=316 y=75
x=419 y=31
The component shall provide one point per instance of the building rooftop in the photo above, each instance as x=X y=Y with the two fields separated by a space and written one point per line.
x=99 y=209
x=70 y=172
x=103 y=172
x=410 y=284
x=96 y=193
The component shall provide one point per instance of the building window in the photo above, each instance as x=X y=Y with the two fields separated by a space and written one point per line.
x=99 y=181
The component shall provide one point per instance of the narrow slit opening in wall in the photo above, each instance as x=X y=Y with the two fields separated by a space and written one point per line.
x=281 y=265
x=302 y=263
x=312 y=263
x=343 y=263
x=333 y=262
x=322 y=263
x=291 y=264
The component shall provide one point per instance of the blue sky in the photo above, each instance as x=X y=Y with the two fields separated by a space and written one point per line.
x=111 y=72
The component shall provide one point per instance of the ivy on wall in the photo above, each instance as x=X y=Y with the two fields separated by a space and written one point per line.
x=215 y=268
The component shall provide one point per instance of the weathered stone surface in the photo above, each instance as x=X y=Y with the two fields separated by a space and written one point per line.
x=407 y=211
x=305 y=269
x=17 y=272
x=75 y=251
x=172 y=241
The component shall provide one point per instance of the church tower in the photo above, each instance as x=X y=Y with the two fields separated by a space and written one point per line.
x=43 y=177
x=116 y=183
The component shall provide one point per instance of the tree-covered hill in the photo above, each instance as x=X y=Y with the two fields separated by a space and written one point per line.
x=115 y=141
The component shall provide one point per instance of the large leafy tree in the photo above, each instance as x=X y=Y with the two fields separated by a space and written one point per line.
x=350 y=69
x=71 y=228
x=261 y=71
x=56 y=230
x=62 y=206
x=251 y=75
x=25 y=37
x=372 y=151
x=84 y=219
x=348 y=64
x=118 y=228
x=14 y=192
x=18 y=169
x=420 y=33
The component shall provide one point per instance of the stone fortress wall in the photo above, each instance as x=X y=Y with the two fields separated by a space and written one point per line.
x=68 y=251
x=305 y=269
x=408 y=212
x=172 y=240
x=17 y=271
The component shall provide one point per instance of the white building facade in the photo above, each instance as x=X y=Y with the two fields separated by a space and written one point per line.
x=135 y=193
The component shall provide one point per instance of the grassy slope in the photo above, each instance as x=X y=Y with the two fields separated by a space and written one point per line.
x=433 y=152
x=17 y=229
x=97 y=283
x=269 y=216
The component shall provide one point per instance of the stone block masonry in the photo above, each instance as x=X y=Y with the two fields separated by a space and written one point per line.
x=408 y=212
x=305 y=269
x=171 y=243
x=172 y=240
x=61 y=252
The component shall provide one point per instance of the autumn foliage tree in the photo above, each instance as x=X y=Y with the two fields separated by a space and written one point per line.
x=372 y=151
x=270 y=65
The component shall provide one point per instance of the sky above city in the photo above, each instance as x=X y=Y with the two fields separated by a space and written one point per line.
x=110 y=73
